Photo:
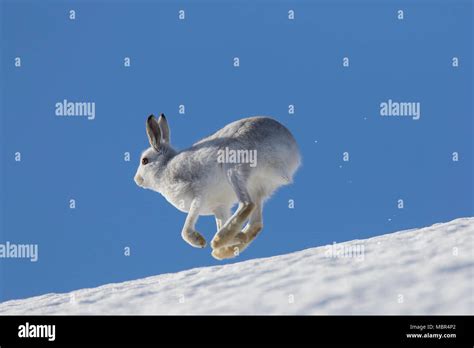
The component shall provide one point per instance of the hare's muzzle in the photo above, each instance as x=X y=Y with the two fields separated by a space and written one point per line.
x=138 y=179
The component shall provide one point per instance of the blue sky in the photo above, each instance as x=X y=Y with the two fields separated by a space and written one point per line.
x=190 y=62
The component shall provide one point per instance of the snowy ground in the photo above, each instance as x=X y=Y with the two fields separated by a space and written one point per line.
x=419 y=271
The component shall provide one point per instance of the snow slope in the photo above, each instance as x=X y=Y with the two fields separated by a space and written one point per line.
x=419 y=271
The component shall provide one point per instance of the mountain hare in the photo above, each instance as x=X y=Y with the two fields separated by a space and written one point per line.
x=244 y=163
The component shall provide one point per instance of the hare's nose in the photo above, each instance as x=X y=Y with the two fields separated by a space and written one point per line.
x=139 y=180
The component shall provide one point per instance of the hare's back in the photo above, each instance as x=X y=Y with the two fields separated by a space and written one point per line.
x=276 y=147
x=251 y=131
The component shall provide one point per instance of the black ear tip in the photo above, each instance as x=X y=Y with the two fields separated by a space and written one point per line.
x=150 y=117
x=162 y=115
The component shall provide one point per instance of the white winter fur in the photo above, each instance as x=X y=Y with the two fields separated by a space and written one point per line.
x=195 y=181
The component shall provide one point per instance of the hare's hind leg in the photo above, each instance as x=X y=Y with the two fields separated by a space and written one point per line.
x=253 y=228
x=243 y=239
x=226 y=234
x=189 y=234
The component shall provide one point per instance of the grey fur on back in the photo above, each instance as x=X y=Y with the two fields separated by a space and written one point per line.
x=274 y=145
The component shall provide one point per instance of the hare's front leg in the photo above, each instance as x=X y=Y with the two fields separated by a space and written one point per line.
x=190 y=235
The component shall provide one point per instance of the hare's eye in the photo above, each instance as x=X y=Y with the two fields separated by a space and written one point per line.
x=145 y=161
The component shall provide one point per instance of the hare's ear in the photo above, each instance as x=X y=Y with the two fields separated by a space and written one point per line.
x=165 y=129
x=153 y=131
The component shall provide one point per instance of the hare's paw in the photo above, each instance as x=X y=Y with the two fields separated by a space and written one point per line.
x=216 y=242
x=219 y=242
x=225 y=237
x=226 y=252
x=194 y=239
x=239 y=243
x=241 y=238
